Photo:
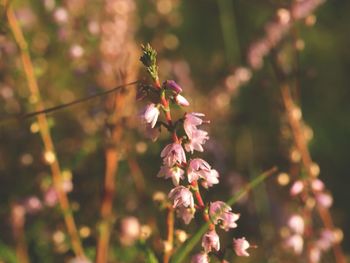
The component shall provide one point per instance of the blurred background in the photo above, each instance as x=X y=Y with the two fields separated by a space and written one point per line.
x=222 y=53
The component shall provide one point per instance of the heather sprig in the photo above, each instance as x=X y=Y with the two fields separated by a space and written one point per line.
x=188 y=174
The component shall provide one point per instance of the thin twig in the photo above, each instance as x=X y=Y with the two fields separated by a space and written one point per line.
x=45 y=132
x=301 y=144
x=65 y=105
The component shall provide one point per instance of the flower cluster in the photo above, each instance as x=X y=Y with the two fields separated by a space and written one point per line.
x=313 y=195
x=187 y=173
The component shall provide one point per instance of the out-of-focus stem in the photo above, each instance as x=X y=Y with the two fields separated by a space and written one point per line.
x=301 y=144
x=45 y=132
x=18 y=221
x=170 y=236
x=137 y=174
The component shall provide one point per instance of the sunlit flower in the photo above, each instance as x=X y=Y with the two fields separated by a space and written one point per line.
x=324 y=199
x=181 y=100
x=150 y=114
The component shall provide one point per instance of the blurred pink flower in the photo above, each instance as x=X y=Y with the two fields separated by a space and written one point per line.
x=130 y=230
x=51 y=197
x=186 y=213
x=200 y=258
x=32 y=204
x=324 y=199
x=296 y=243
x=296 y=223
x=240 y=245
x=297 y=188
x=317 y=185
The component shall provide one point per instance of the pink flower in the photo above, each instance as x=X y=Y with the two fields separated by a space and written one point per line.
x=150 y=114
x=32 y=204
x=175 y=173
x=152 y=133
x=211 y=241
x=181 y=100
x=51 y=197
x=130 y=230
x=200 y=258
x=219 y=212
x=326 y=240
x=181 y=196
x=240 y=245
x=200 y=169
x=324 y=199
x=211 y=179
x=173 y=153
x=314 y=254
x=198 y=138
x=296 y=243
x=191 y=122
x=197 y=169
x=296 y=223
x=317 y=185
x=297 y=188
x=172 y=85
x=186 y=213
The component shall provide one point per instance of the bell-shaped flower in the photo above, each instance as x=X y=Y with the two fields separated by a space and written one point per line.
x=197 y=169
x=210 y=241
x=220 y=212
x=186 y=213
x=181 y=100
x=181 y=196
x=192 y=120
x=150 y=114
x=210 y=178
x=240 y=246
x=173 y=153
x=172 y=85
x=196 y=141
x=175 y=173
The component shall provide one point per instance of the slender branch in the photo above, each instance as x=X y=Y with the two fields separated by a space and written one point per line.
x=65 y=105
x=301 y=144
x=45 y=132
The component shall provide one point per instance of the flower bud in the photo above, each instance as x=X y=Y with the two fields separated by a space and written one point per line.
x=172 y=85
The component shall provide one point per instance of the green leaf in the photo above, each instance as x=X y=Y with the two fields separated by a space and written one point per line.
x=182 y=253
x=150 y=255
x=7 y=254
